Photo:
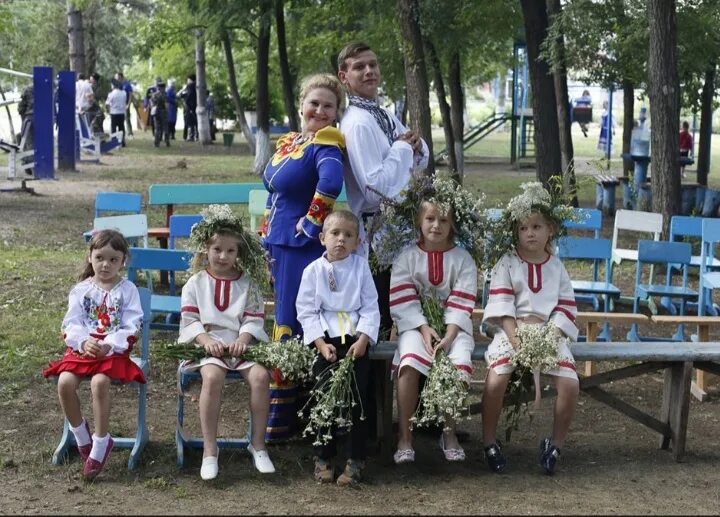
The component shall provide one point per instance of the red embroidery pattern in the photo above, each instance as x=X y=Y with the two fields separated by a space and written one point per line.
x=222 y=294
x=435 y=267
x=320 y=207
x=534 y=277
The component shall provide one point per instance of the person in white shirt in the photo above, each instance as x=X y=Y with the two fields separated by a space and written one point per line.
x=82 y=88
x=222 y=312
x=117 y=103
x=338 y=310
x=382 y=153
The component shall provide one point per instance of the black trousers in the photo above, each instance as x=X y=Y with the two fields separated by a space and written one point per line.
x=117 y=123
x=355 y=444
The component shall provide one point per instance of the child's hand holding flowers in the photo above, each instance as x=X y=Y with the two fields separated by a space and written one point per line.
x=450 y=335
x=326 y=350
x=429 y=336
x=358 y=348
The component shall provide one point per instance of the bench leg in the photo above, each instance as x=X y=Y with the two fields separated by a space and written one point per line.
x=384 y=398
x=591 y=331
x=698 y=388
x=676 y=407
x=66 y=441
x=142 y=436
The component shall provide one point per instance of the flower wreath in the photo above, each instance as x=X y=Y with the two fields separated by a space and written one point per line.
x=393 y=228
x=251 y=254
x=552 y=203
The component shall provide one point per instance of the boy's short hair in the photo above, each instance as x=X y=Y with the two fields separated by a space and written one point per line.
x=343 y=215
x=351 y=50
x=686 y=124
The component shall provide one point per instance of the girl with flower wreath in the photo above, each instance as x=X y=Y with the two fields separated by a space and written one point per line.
x=102 y=323
x=434 y=267
x=529 y=286
x=222 y=312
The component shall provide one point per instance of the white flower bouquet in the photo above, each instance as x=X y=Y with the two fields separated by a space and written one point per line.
x=538 y=348
x=445 y=394
x=332 y=400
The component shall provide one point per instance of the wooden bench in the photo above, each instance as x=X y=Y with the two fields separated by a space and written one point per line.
x=172 y=194
x=605 y=193
x=703 y=324
x=677 y=359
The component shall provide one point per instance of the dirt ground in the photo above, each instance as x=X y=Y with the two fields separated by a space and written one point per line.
x=610 y=464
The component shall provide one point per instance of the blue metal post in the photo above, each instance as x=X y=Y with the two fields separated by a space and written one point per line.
x=609 y=126
x=43 y=122
x=66 y=121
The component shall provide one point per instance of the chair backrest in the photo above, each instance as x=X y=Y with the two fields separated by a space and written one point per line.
x=147 y=317
x=589 y=219
x=635 y=220
x=157 y=259
x=710 y=237
x=685 y=226
x=129 y=202
x=587 y=248
x=180 y=226
x=256 y=206
x=133 y=226
x=664 y=252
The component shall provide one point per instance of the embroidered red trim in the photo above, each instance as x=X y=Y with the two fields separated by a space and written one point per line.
x=435 y=267
x=222 y=294
x=461 y=294
x=189 y=308
x=566 y=312
x=502 y=290
x=571 y=303
x=458 y=306
x=404 y=299
x=402 y=287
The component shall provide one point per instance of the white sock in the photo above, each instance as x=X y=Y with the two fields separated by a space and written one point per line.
x=99 y=446
x=82 y=437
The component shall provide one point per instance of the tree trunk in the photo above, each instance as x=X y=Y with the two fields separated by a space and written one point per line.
x=706 y=111
x=203 y=124
x=91 y=13
x=262 y=147
x=664 y=92
x=567 y=153
x=628 y=123
x=418 y=98
x=288 y=79
x=235 y=93
x=444 y=109
x=457 y=107
x=546 y=135
x=76 y=40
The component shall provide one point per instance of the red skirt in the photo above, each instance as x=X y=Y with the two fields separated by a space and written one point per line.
x=118 y=367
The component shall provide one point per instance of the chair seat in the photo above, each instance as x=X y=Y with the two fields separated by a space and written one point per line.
x=673 y=291
x=587 y=286
x=712 y=280
x=624 y=254
x=165 y=303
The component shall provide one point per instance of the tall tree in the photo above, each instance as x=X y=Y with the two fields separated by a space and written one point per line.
x=439 y=84
x=288 y=80
x=235 y=93
x=457 y=108
x=546 y=135
x=567 y=153
x=664 y=90
x=201 y=88
x=706 y=111
x=262 y=147
x=76 y=38
x=418 y=88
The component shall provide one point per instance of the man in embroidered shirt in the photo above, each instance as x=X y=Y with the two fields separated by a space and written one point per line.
x=382 y=152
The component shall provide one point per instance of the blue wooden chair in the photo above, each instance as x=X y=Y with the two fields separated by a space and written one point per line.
x=662 y=253
x=120 y=202
x=709 y=280
x=159 y=259
x=492 y=214
x=183 y=439
x=142 y=436
x=595 y=250
x=180 y=226
x=588 y=220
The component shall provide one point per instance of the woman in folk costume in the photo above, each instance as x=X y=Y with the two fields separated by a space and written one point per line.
x=303 y=179
x=529 y=286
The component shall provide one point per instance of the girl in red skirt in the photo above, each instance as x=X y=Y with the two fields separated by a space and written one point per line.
x=102 y=323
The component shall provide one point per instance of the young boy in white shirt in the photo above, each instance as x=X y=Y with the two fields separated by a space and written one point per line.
x=337 y=306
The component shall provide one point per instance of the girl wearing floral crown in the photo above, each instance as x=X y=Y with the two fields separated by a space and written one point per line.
x=223 y=312
x=434 y=267
x=102 y=323
x=529 y=286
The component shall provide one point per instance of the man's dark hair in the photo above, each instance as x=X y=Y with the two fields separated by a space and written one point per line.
x=191 y=77
x=96 y=76
x=82 y=77
x=351 y=50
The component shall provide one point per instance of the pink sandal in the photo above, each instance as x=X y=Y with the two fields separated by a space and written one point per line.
x=404 y=456
x=451 y=454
